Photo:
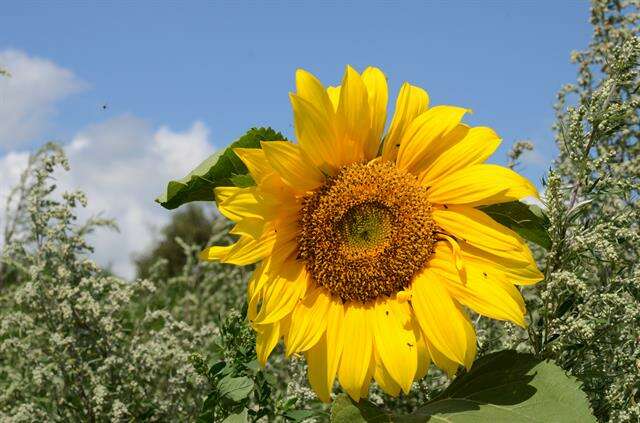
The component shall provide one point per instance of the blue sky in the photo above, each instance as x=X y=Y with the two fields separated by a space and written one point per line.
x=231 y=65
x=228 y=66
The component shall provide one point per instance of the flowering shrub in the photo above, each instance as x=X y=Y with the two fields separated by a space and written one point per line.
x=77 y=344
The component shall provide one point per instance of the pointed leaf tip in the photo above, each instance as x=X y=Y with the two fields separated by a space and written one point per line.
x=223 y=168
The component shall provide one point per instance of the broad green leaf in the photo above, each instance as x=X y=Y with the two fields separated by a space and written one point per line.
x=300 y=415
x=235 y=388
x=528 y=221
x=242 y=181
x=502 y=387
x=219 y=169
x=344 y=410
x=241 y=417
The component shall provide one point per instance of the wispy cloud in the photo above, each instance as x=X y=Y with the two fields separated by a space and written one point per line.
x=29 y=95
x=122 y=164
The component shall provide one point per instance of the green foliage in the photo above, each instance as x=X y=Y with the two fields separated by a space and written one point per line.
x=528 y=221
x=501 y=387
x=219 y=169
x=589 y=304
x=238 y=385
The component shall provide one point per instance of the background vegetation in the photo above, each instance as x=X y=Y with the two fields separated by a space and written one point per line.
x=79 y=344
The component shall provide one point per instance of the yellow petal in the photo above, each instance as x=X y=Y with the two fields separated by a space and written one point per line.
x=256 y=162
x=324 y=357
x=246 y=250
x=364 y=390
x=249 y=250
x=439 y=317
x=424 y=359
x=238 y=203
x=478 y=144
x=282 y=293
x=439 y=359
x=426 y=131
x=520 y=270
x=357 y=351
x=484 y=292
x=473 y=226
x=266 y=339
x=480 y=184
x=356 y=115
x=497 y=299
x=217 y=252
x=334 y=96
x=456 y=257
x=270 y=267
x=470 y=334
x=254 y=290
x=316 y=134
x=395 y=340
x=284 y=252
x=411 y=102
x=293 y=167
x=222 y=194
x=312 y=90
x=308 y=321
x=378 y=94
x=383 y=378
x=317 y=369
x=252 y=227
x=262 y=173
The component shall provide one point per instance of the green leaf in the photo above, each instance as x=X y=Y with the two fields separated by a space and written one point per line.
x=528 y=221
x=219 y=169
x=242 y=181
x=208 y=408
x=235 y=388
x=344 y=410
x=502 y=387
x=216 y=368
x=241 y=417
x=509 y=386
x=300 y=415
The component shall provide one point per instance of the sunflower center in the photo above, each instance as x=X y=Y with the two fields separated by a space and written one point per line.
x=366 y=232
x=365 y=228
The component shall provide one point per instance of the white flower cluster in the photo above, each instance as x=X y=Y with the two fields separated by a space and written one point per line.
x=77 y=344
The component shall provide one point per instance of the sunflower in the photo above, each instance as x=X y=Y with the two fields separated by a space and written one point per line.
x=370 y=247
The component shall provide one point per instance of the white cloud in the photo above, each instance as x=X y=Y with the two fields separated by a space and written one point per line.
x=11 y=167
x=122 y=165
x=28 y=97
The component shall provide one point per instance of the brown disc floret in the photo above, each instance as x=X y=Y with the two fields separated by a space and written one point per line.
x=366 y=232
